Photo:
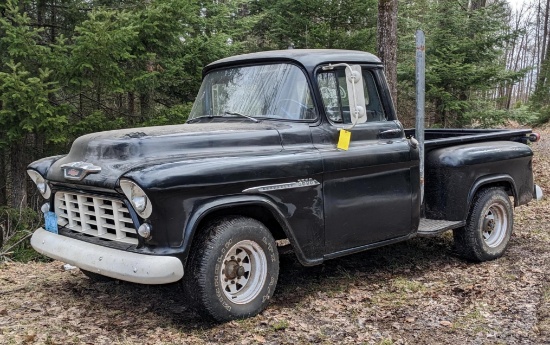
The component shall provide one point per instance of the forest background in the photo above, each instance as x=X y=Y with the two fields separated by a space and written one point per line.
x=71 y=67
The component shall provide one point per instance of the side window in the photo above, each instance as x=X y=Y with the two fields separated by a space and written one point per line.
x=332 y=95
x=332 y=86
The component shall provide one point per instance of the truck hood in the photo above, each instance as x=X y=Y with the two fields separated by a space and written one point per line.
x=118 y=152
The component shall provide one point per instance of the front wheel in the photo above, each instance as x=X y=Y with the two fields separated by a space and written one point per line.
x=488 y=228
x=233 y=269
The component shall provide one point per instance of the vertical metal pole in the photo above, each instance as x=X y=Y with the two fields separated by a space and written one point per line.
x=420 y=101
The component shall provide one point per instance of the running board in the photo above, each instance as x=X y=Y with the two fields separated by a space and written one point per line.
x=434 y=227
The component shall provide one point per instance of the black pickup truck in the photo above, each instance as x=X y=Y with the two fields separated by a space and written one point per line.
x=262 y=158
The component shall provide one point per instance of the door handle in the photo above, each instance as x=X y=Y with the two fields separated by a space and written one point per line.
x=390 y=133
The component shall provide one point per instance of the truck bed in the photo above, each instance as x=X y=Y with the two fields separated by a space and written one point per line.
x=438 y=137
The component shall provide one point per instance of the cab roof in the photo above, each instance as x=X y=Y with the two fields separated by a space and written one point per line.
x=309 y=58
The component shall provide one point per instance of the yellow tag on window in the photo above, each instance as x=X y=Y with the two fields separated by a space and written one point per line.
x=344 y=139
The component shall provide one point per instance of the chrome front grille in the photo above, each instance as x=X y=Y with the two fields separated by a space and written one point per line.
x=102 y=217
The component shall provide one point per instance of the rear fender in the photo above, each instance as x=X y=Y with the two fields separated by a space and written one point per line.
x=454 y=174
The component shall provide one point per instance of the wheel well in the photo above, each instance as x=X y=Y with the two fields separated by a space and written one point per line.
x=257 y=212
x=506 y=185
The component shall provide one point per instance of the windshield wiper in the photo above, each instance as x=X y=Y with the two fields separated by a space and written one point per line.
x=239 y=114
x=202 y=117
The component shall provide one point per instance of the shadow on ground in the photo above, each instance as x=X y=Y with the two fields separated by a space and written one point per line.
x=167 y=304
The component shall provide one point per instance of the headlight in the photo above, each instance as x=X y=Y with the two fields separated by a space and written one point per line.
x=140 y=203
x=40 y=183
x=138 y=198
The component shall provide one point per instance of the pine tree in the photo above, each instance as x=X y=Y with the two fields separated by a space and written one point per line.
x=465 y=60
x=26 y=86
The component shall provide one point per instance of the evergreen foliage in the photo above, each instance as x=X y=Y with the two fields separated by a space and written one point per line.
x=464 y=52
x=26 y=82
x=346 y=24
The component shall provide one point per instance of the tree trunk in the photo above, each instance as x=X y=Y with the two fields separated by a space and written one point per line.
x=387 y=42
x=119 y=102
x=544 y=69
x=543 y=73
x=53 y=20
x=439 y=114
x=145 y=105
x=18 y=174
x=131 y=104
x=3 y=180
x=545 y=32
x=477 y=4
x=40 y=9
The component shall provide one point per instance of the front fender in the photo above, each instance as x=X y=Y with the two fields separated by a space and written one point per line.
x=44 y=164
x=206 y=208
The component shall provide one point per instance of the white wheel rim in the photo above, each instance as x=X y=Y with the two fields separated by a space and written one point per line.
x=243 y=272
x=495 y=225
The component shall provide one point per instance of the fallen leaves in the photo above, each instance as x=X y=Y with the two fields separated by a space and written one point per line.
x=29 y=338
x=446 y=323
x=259 y=339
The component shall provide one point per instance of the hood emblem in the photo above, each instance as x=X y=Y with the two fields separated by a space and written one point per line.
x=78 y=170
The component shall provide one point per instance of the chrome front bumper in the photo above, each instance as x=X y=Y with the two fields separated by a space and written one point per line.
x=114 y=263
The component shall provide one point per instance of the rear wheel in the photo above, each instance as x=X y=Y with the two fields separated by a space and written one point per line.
x=488 y=228
x=233 y=269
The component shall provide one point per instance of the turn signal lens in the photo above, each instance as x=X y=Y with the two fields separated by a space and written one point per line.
x=45 y=208
x=144 y=230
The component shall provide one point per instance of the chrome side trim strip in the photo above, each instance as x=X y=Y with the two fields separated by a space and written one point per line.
x=290 y=185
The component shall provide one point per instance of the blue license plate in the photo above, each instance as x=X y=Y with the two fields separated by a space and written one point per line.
x=51 y=222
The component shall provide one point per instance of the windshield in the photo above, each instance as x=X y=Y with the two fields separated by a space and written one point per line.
x=263 y=91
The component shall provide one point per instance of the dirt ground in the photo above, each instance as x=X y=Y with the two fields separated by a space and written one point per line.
x=416 y=292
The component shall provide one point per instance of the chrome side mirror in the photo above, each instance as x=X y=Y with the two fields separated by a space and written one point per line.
x=356 y=94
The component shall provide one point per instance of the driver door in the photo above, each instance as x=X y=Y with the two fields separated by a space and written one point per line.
x=367 y=189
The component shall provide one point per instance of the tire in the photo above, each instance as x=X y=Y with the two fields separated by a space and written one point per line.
x=488 y=227
x=232 y=269
x=96 y=278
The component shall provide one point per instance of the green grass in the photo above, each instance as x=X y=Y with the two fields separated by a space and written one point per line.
x=280 y=325
x=473 y=321
x=408 y=285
